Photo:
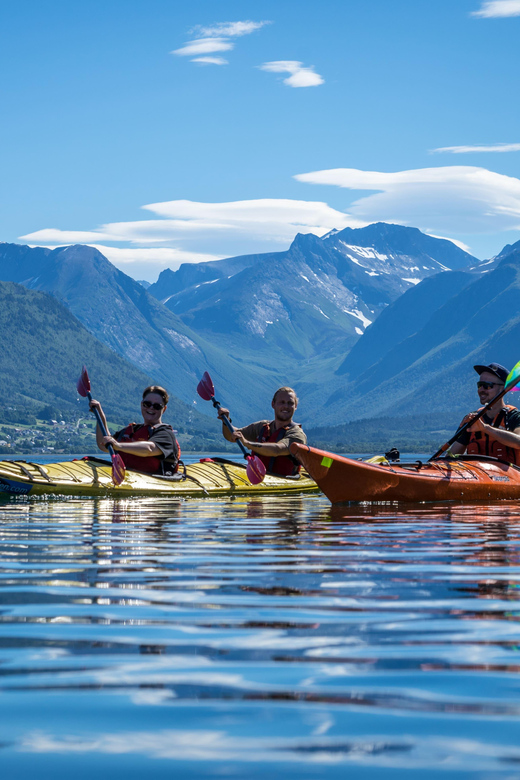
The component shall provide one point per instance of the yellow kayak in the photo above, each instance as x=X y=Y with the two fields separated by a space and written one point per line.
x=93 y=477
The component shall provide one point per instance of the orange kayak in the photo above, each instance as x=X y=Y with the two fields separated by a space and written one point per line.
x=467 y=478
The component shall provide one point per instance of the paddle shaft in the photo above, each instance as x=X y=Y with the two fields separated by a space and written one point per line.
x=474 y=419
x=102 y=426
x=228 y=425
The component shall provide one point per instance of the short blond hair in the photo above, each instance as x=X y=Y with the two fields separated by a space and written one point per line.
x=285 y=390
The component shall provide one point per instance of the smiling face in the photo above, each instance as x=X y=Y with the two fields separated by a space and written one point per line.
x=486 y=394
x=151 y=415
x=284 y=405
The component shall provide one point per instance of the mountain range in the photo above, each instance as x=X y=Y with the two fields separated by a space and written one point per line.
x=417 y=358
x=362 y=322
x=310 y=302
x=119 y=312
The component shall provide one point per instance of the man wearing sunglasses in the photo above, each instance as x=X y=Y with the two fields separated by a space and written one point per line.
x=150 y=446
x=497 y=433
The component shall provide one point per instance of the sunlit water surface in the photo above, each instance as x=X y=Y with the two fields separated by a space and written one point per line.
x=252 y=638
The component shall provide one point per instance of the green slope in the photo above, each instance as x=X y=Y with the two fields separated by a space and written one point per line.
x=43 y=349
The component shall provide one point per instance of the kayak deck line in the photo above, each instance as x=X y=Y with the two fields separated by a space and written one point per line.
x=92 y=476
x=465 y=478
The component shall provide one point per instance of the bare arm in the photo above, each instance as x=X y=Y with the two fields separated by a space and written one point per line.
x=144 y=449
x=507 y=438
x=269 y=449
x=99 y=433
x=226 y=433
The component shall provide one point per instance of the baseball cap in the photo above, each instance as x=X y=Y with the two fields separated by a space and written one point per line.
x=493 y=368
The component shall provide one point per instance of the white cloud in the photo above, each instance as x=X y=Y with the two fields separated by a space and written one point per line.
x=460 y=244
x=300 y=76
x=498 y=9
x=211 y=60
x=456 y=199
x=216 y=38
x=269 y=219
x=478 y=148
x=204 y=46
x=187 y=231
x=229 y=29
x=156 y=257
x=138 y=262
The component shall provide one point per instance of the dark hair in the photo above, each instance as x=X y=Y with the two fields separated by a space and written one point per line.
x=159 y=390
x=285 y=390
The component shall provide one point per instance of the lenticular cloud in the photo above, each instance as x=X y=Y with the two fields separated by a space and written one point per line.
x=458 y=199
x=498 y=9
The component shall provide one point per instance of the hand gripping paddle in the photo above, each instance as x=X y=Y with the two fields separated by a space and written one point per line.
x=118 y=466
x=255 y=469
x=512 y=379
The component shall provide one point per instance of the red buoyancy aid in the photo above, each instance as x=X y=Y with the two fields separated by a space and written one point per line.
x=481 y=443
x=284 y=465
x=150 y=465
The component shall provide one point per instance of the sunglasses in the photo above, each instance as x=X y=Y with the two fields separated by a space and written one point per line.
x=150 y=405
x=488 y=385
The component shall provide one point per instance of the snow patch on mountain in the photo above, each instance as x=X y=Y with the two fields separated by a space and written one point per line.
x=360 y=316
x=182 y=341
x=267 y=307
x=363 y=251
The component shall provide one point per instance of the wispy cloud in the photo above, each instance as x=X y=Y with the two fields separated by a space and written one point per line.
x=187 y=231
x=211 y=60
x=477 y=148
x=498 y=8
x=214 y=39
x=300 y=76
x=204 y=46
x=229 y=29
x=456 y=199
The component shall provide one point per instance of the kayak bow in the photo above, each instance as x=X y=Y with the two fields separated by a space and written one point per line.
x=467 y=478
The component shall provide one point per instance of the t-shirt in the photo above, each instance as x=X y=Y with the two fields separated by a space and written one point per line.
x=511 y=421
x=293 y=432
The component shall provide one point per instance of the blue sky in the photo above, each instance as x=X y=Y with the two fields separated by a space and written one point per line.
x=308 y=116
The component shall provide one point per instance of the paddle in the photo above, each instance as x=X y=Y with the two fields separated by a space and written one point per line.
x=118 y=466
x=255 y=469
x=512 y=379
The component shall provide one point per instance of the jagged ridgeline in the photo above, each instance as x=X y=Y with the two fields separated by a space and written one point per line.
x=43 y=349
x=379 y=324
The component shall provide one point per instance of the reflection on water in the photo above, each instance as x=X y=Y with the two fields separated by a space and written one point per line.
x=239 y=638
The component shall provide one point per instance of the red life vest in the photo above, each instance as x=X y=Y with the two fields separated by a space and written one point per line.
x=284 y=465
x=482 y=443
x=150 y=465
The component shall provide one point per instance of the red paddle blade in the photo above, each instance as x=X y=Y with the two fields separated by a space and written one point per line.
x=83 y=384
x=205 y=387
x=255 y=470
x=118 y=469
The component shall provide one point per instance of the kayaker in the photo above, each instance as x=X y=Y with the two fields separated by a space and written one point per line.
x=270 y=440
x=497 y=433
x=150 y=446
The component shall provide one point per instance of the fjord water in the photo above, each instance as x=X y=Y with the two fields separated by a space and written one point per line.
x=246 y=638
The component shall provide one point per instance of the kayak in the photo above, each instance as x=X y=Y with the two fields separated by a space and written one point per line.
x=465 y=478
x=93 y=477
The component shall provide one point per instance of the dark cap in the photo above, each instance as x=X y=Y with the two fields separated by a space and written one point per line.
x=493 y=368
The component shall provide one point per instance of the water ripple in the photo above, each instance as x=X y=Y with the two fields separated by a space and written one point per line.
x=270 y=635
